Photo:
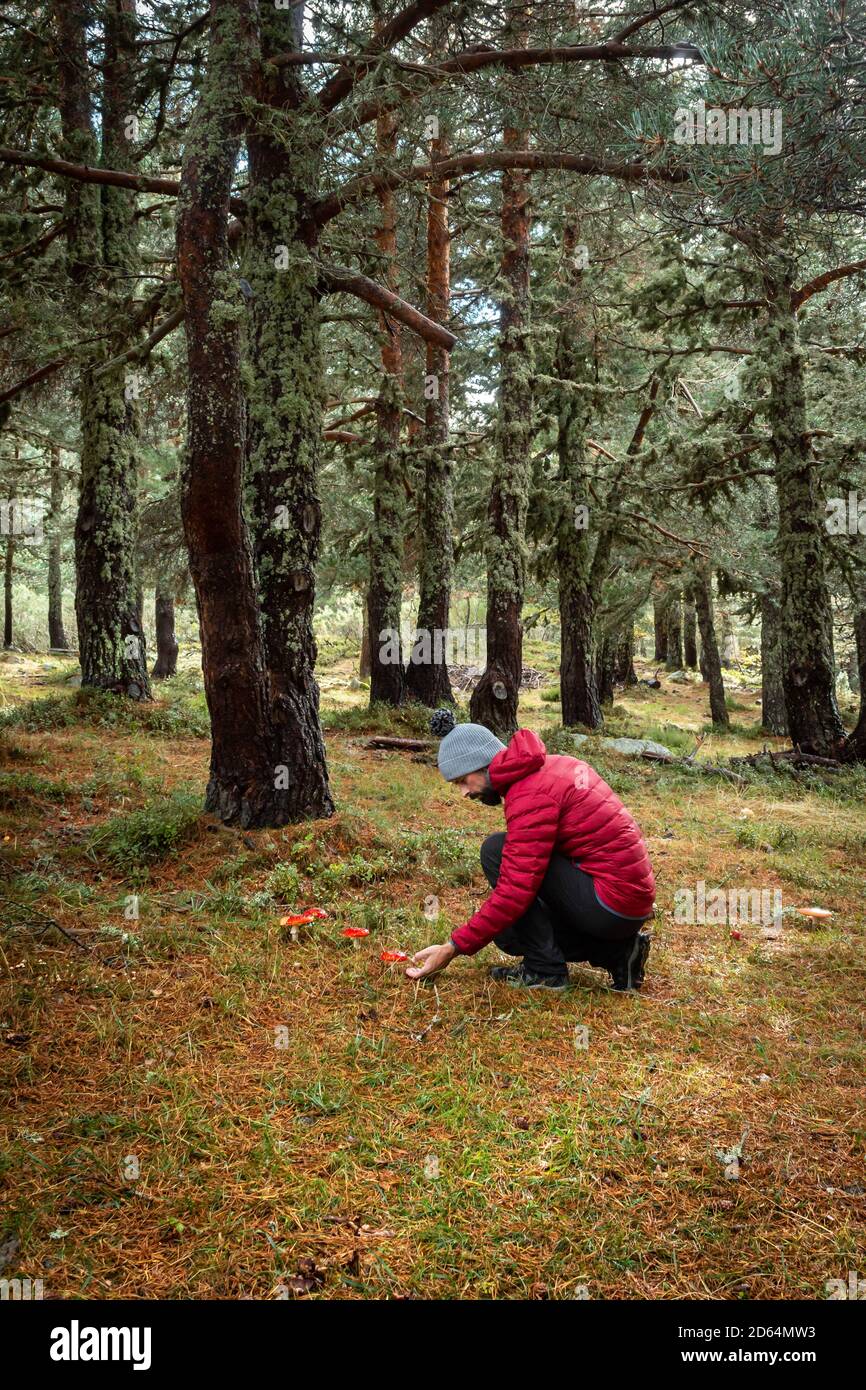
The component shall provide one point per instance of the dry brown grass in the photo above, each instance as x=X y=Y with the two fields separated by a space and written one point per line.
x=264 y=1168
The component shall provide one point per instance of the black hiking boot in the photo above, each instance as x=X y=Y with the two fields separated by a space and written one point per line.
x=626 y=961
x=520 y=978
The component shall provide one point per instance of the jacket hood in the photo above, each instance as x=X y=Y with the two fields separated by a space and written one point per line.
x=524 y=754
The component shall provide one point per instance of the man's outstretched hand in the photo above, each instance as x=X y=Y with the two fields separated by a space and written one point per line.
x=430 y=961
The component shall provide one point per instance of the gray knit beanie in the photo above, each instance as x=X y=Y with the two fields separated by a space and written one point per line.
x=467 y=748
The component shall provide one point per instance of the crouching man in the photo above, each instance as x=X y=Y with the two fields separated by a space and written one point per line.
x=571 y=876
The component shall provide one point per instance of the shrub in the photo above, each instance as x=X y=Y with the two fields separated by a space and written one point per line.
x=149 y=834
x=17 y=785
x=755 y=836
x=283 y=883
x=103 y=710
x=409 y=720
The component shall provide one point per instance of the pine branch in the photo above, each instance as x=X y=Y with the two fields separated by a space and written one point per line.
x=476 y=59
x=645 y=19
x=89 y=173
x=822 y=281
x=697 y=547
x=402 y=24
x=531 y=160
x=140 y=351
x=342 y=280
x=32 y=380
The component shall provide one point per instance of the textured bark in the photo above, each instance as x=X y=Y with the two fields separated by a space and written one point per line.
x=243 y=767
x=774 y=717
x=110 y=636
x=102 y=263
x=674 y=643
x=384 y=596
x=494 y=700
x=365 y=659
x=8 y=567
x=82 y=210
x=284 y=387
x=807 y=624
x=729 y=646
x=166 y=641
x=623 y=671
x=690 y=635
x=702 y=666
x=856 y=747
x=702 y=597
x=577 y=677
x=605 y=672
x=660 y=625
x=56 y=632
x=428 y=681
x=578 y=689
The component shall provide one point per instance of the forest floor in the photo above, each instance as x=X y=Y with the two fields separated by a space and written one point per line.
x=199 y=1106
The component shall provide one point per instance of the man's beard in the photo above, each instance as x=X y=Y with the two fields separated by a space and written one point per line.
x=488 y=797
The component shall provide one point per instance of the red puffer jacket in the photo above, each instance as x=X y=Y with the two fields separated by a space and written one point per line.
x=555 y=804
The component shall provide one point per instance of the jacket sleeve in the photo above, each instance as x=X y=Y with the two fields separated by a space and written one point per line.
x=530 y=837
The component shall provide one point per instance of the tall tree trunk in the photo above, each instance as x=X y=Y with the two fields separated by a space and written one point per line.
x=623 y=670
x=427 y=681
x=605 y=673
x=494 y=700
x=166 y=641
x=103 y=261
x=856 y=746
x=7 y=591
x=581 y=582
x=244 y=767
x=577 y=676
x=660 y=624
x=674 y=644
x=774 y=717
x=365 y=660
x=807 y=621
x=384 y=596
x=56 y=633
x=285 y=424
x=702 y=666
x=702 y=596
x=690 y=635
x=729 y=646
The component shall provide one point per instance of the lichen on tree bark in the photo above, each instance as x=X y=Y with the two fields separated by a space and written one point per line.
x=102 y=262
x=807 y=621
x=574 y=547
x=283 y=379
x=494 y=700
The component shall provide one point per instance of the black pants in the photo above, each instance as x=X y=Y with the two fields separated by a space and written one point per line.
x=565 y=922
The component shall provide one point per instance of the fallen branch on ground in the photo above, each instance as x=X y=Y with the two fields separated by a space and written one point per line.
x=41 y=925
x=713 y=768
x=402 y=745
x=792 y=758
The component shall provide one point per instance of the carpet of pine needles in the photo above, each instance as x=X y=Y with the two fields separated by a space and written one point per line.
x=198 y=1106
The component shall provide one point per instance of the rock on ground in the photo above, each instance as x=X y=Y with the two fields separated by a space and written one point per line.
x=629 y=747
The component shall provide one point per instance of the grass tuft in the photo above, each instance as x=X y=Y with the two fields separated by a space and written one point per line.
x=148 y=834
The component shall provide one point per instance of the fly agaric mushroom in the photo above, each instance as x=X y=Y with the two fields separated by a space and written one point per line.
x=300 y=919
